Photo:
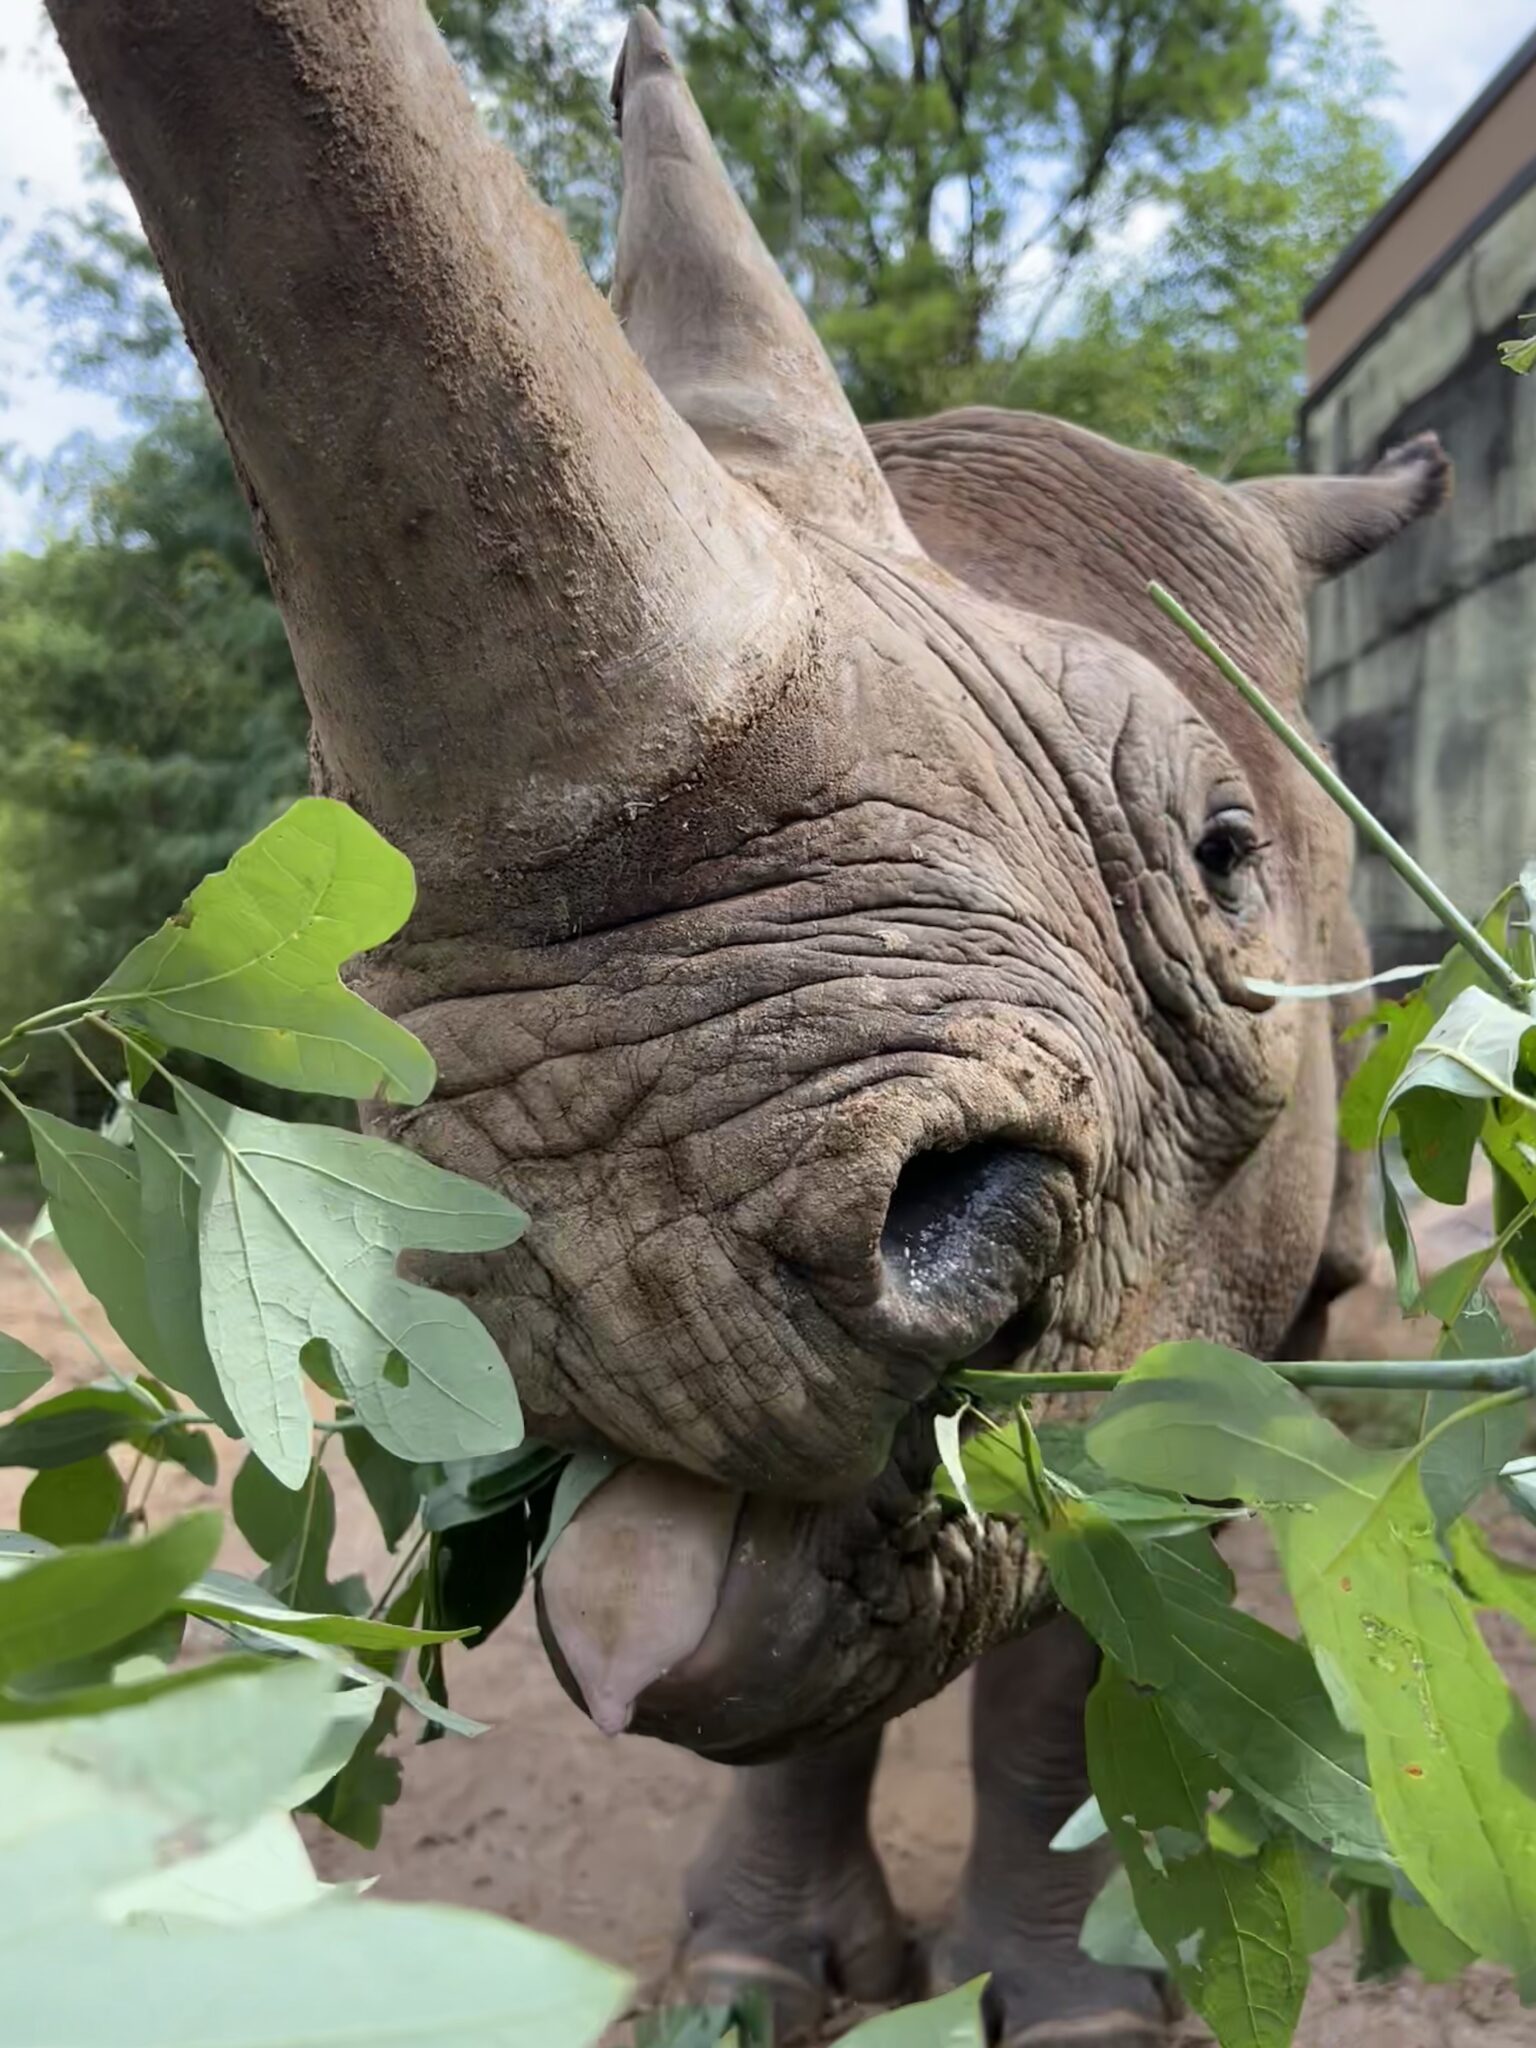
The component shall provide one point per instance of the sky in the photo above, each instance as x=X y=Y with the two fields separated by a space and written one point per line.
x=1444 y=56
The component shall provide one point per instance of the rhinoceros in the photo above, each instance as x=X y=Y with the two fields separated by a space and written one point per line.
x=840 y=899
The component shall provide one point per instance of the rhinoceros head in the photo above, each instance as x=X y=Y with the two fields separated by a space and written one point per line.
x=841 y=889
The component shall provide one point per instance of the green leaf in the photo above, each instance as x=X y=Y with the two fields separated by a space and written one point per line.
x=477 y=1571
x=346 y=1974
x=1252 y=1698
x=352 y=1802
x=268 y=1514
x=1461 y=1464
x=1112 y=1931
x=1219 y=1426
x=22 y=1371
x=93 y=1198
x=1381 y=1955
x=1452 y=1756
x=300 y=1228
x=1362 y=1106
x=946 y=1437
x=192 y=1449
x=168 y=1221
x=1473 y=1051
x=93 y=1802
x=1519 y=355
x=1081 y=1828
x=1427 y=1942
x=261 y=1874
x=1398 y=1232
x=349 y=1631
x=1439 y=1133
x=246 y=971
x=579 y=1480
x=80 y=1424
x=1231 y=1930
x=1101 y=1576
x=953 y=2021
x=472 y=1488
x=388 y=1481
x=1517 y=1481
x=64 y=1606
x=77 y=1503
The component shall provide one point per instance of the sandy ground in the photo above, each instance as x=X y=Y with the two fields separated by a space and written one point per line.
x=544 y=1820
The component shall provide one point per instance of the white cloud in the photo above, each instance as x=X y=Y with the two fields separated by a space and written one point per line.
x=1444 y=55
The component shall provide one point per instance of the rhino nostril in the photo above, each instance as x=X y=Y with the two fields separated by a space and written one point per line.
x=972 y=1245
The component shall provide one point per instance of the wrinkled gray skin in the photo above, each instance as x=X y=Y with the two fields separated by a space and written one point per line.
x=838 y=893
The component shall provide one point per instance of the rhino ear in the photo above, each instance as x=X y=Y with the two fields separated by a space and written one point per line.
x=704 y=307
x=1330 y=522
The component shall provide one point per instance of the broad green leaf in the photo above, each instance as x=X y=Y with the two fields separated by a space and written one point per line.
x=1230 y=1929
x=1252 y=1698
x=1219 y=1426
x=953 y=2021
x=946 y=1437
x=80 y=1424
x=1439 y=1132
x=168 y=1197
x=579 y=1480
x=477 y=1570
x=1398 y=1232
x=81 y=1600
x=1452 y=1756
x=258 y=1875
x=300 y=1229
x=93 y=1198
x=1517 y=1480
x=388 y=1481
x=1079 y=1829
x=1427 y=1942
x=1461 y=1464
x=22 y=1372
x=349 y=1631
x=349 y=1975
x=246 y=971
x=1473 y=1050
x=76 y=1503
x=1100 y=1575
x=256 y=1617
x=1509 y=1139
x=1001 y=1470
x=1491 y=1580
x=1363 y=1103
x=268 y=1514
x=472 y=1488
x=89 y=1803
x=1112 y=1931
x=352 y=1800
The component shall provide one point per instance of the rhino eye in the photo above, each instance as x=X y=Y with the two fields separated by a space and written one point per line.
x=1229 y=843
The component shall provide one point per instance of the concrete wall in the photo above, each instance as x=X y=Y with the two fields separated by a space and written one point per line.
x=1424 y=658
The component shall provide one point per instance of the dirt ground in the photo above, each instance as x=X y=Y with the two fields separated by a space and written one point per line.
x=546 y=1821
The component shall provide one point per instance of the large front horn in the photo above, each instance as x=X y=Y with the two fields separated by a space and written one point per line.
x=707 y=311
x=519 y=592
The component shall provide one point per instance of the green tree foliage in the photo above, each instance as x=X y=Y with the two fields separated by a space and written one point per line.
x=149 y=707
x=903 y=179
x=1194 y=348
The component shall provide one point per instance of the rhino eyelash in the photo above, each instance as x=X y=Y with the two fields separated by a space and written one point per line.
x=1225 y=850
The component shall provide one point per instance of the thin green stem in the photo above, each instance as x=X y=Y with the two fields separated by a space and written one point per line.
x=34 y=1267
x=1498 y=970
x=402 y=1572
x=1431 y=1375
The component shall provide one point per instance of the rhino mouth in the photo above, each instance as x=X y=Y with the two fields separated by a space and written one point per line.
x=745 y=1627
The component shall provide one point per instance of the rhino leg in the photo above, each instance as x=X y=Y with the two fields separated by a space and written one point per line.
x=1021 y=1903
x=788 y=1897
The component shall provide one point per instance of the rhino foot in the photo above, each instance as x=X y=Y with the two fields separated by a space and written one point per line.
x=1045 y=1993
x=789 y=1901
